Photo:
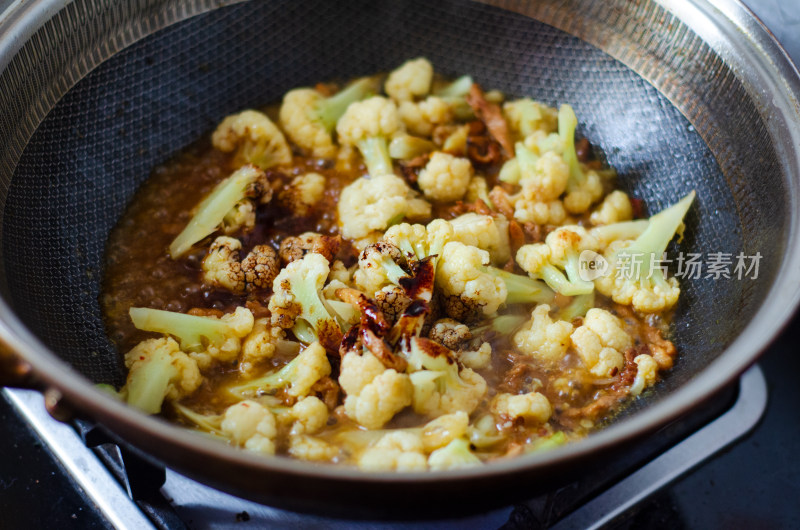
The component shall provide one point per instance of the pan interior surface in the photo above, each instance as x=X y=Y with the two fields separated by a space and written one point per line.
x=101 y=140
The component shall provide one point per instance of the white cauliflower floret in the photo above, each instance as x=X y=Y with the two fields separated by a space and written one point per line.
x=395 y=451
x=557 y=260
x=460 y=274
x=304 y=131
x=485 y=232
x=445 y=178
x=421 y=118
x=308 y=416
x=540 y=213
x=374 y=394
x=454 y=455
x=443 y=430
x=601 y=342
x=440 y=387
x=304 y=192
x=309 y=118
x=340 y=273
x=531 y=406
x=257 y=140
x=297 y=376
x=478 y=188
x=370 y=204
x=368 y=125
x=241 y=217
x=221 y=266
x=476 y=359
x=411 y=80
x=616 y=207
x=646 y=372
x=581 y=197
x=417 y=241
x=158 y=369
x=313 y=449
x=250 y=425
x=259 y=345
x=542 y=338
x=526 y=117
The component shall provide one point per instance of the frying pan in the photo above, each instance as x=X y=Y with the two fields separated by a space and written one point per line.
x=677 y=95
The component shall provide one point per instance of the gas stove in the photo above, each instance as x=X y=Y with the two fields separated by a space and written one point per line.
x=131 y=493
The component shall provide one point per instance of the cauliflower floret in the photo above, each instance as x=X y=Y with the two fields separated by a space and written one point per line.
x=368 y=125
x=557 y=260
x=421 y=118
x=450 y=333
x=221 y=266
x=411 y=80
x=309 y=118
x=542 y=338
x=531 y=406
x=461 y=279
x=392 y=301
x=303 y=193
x=476 y=359
x=378 y=267
x=417 y=241
x=241 y=217
x=340 y=273
x=260 y=267
x=646 y=372
x=297 y=301
x=206 y=339
x=581 y=197
x=454 y=455
x=601 y=342
x=294 y=248
x=478 y=188
x=250 y=425
x=538 y=212
x=308 y=416
x=259 y=345
x=526 y=117
x=395 y=451
x=299 y=375
x=374 y=394
x=485 y=232
x=440 y=387
x=370 y=204
x=443 y=430
x=305 y=132
x=616 y=207
x=445 y=178
x=257 y=139
x=305 y=447
x=158 y=369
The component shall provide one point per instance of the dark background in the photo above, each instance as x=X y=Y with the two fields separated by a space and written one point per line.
x=754 y=484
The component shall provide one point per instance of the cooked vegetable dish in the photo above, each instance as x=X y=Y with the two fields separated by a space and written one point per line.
x=391 y=274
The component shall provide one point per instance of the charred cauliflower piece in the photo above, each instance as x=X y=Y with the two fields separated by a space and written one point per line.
x=469 y=291
x=303 y=193
x=222 y=268
x=294 y=248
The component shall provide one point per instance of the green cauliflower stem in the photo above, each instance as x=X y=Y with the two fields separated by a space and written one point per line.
x=522 y=289
x=457 y=89
x=194 y=333
x=406 y=147
x=328 y=110
x=212 y=210
x=547 y=443
x=577 y=307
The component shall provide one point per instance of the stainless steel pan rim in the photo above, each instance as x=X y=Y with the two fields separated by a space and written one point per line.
x=715 y=22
